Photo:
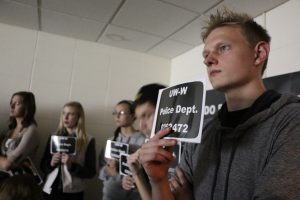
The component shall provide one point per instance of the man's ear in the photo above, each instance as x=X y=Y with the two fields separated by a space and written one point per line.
x=261 y=53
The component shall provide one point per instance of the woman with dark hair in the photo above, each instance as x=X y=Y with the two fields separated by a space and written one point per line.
x=125 y=133
x=124 y=117
x=21 y=139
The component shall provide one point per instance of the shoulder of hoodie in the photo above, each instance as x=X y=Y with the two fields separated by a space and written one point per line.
x=287 y=104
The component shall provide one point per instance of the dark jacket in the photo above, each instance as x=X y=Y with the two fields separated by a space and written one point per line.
x=259 y=159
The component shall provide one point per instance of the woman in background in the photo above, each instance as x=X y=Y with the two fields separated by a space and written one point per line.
x=65 y=172
x=125 y=133
x=21 y=139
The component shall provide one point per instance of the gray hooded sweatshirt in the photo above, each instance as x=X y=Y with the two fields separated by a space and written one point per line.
x=259 y=159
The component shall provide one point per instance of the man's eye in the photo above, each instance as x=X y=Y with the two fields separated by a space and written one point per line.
x=224 y=48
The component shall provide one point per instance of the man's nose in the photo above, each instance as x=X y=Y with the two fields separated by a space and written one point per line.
x=210 y=59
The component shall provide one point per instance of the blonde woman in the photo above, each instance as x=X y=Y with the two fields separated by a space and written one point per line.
x=65 y=173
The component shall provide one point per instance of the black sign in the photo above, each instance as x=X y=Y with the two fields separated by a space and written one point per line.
x=117 y=148
x=214 y=102
x=124 y=168
x=63 y=144
x=286 y=83
x=181 y=108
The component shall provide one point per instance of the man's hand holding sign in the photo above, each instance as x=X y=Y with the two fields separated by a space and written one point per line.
x=178 y=118
x=181 y=108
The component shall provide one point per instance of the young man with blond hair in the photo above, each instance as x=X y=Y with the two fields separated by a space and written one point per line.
x=250 y=149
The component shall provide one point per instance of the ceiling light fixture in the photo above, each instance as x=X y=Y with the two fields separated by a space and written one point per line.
x=115 y=37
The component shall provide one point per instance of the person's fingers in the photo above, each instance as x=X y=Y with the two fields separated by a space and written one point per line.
x=57 y=155
x=171 y=186
x=181 y=176
x=175 y=184
x=156 y=144
x=135 y=155
x=125 y=185
x=133 y=158
x=160 y=134
x=128 y=182
x=131 y=161
x=157 y=152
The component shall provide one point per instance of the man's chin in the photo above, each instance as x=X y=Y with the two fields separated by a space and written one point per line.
x=220 y=88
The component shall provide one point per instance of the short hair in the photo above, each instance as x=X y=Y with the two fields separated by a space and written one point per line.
x=28 y=100
x=252 y=31
x=148 y=93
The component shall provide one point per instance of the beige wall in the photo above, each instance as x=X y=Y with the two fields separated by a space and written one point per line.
x=282 y=24
x=59 y=69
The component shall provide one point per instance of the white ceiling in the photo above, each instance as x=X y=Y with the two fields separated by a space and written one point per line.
x=165 y=28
